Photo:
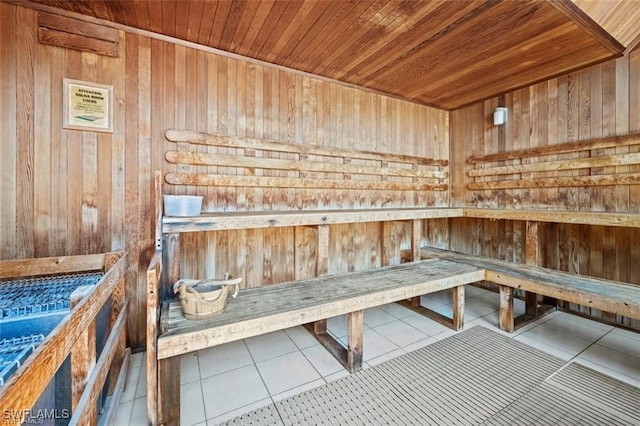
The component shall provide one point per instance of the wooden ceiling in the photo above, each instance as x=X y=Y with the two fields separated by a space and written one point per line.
x=444 y=53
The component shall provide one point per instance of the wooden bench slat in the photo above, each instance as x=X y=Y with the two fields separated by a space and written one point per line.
x=264 y=309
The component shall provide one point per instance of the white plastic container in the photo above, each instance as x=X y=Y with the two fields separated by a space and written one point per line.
x=182 y=205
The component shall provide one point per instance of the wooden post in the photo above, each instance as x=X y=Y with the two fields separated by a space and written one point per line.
x=322 y=250
x=416 y=239
x=355 y=321
x=386 y=241
x=83 y=353
x=169 y=369
x=506 y=309
x=153 y=278
x=458 y=307
x=532 y=257
x=117 y=303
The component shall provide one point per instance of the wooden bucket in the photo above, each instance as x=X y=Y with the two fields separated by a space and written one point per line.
x=202 y=299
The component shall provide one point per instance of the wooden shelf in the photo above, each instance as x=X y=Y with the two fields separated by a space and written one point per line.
x=558 y=216
x=271 y=219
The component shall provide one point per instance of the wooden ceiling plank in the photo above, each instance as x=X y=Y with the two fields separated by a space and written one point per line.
x=464 y=35
x=169 y=9
x=286 y=28
x=369 y=27
x=155 y=16
x=222 y=11
x=183 y=19
x=280 y=12
x=577 y=15
x=244 y=25
x=196 y=12
x=231 y=24
x=307 y=31
x=206 y=22
x=128 y=13
x=335 y=34
x=143 y=18
x=264 y=9
x=420 y=34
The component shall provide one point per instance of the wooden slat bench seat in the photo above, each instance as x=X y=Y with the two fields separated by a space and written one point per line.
x=265 y=309
x=606 y=295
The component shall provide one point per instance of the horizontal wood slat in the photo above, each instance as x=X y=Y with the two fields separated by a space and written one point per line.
x=203 y=159
x=596 y=180
x=545 y=166
x=589 y=165
x=77 y=26
x=75 y=34
x=175 y=135
x=203 y=179
x=252 y=162
x=601 y=143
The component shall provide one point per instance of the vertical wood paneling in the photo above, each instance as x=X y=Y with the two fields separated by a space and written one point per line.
x=600 y=101
x=72 y=192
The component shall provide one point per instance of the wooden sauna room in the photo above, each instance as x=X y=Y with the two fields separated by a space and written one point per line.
x=301 y=212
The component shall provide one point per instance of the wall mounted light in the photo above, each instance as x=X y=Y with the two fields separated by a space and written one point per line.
x=500 y=116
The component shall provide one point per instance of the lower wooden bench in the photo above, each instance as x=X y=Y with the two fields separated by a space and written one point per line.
x=608 y=296
x=270 y=308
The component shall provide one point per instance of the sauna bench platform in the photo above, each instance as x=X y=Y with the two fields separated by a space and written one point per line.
x=270 y=219
x=264 y=309
x=606 y=295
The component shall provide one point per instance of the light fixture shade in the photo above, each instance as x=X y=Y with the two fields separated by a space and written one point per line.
x=500 y=116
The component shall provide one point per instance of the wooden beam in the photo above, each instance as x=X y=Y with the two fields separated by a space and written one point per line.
x=322 y=250
x=154 y=272
x=532 y=257
x=270 y=219
x=506 y=309
x=559 y=182
x=83 y=352
x=176 y=135
x=457 y=322
x=355 y=327
x=558 y=216
x=87 y=412
x=600 y=143
x=206 y=159
x=569 y=9
x=51 y=265
x=556 y=165
x=204 y=179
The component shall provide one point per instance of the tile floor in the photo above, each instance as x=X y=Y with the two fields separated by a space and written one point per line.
x=222 y=382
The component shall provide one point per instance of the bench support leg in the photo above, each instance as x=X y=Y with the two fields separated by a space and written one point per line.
x=169 y=391
x=455 y=323
x=355 y=321
x=506 y=309
x=458 y=308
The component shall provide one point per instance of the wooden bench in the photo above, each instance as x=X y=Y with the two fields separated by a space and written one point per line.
x=269 y=308
x=606 y=295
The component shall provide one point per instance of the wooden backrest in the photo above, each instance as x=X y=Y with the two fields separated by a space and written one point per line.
x=259 y=163
x=587 y=163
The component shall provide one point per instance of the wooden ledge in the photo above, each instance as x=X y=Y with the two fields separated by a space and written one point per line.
x=274 y=219
x=558 y=216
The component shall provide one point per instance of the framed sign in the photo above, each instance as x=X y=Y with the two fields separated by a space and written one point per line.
x=87 y=106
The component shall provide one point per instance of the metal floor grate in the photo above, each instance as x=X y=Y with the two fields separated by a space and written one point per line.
x=43 y=294
x=472 y=378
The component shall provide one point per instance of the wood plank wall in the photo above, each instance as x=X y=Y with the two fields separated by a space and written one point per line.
x=71 y=192
x=600 y=101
